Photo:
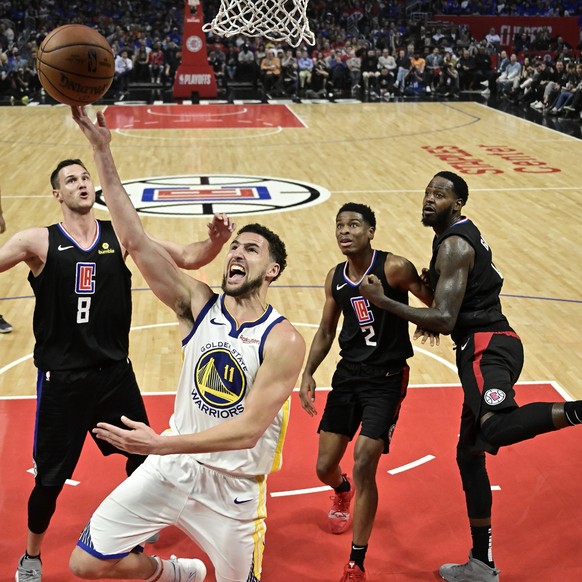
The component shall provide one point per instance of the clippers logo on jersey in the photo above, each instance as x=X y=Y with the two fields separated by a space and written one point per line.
x=85 y=279
x=220 y=384
x=494 y=396
x=229 y=194
x=362 y=310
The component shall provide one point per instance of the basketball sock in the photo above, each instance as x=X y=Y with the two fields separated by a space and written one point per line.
x=358 y=555
x=157 y=576
x=345 y=486
x=573 y=412
x=27 y=556
x=482 y=545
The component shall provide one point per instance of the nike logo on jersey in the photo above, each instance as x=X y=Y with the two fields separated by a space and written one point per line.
x=215 y=322
x=338 y=287
x=61 y=248
x=239 y=501
x=464 y=345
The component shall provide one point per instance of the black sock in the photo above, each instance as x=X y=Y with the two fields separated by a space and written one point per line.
x=482 y=545
x=345 y=486
x=358 y=555
x=573 y=412
x=29 y=557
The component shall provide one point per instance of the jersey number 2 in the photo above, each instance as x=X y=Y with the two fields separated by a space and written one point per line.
x=83 y=308
x=369 y=334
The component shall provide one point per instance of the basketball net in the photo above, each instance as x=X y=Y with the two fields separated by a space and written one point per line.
x=276 y=20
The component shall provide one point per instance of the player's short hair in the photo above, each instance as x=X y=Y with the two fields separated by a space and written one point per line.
x=277 y=248
x=366 y=212
x=460 y=187
x=63 y=164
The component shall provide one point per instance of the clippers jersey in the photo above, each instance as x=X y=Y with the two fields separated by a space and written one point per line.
x=82 y=313
x=481 y=307
x=221 y=361
x=369 y=334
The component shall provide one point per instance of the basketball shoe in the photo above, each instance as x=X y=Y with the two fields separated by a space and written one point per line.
x=352 y=573
x=5 y=327
x=339 y=514
x=28 y=570
x=188 y=570
x=472 y=571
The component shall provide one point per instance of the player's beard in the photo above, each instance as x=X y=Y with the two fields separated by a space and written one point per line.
x=438 y=218
x=246 y=289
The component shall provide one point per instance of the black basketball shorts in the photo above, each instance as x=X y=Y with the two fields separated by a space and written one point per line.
x=489 y=364
x=70 y=404
x=367 y=396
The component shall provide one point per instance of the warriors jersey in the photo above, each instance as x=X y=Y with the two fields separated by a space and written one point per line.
x=83 y=302
x=481 y=307
x=221 y=360
x=369 y=334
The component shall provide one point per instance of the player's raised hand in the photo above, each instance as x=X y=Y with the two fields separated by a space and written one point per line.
x=97 y=133
x=220 y=229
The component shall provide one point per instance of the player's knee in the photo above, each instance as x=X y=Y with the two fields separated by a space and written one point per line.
x=87 y=567
x=471 y=467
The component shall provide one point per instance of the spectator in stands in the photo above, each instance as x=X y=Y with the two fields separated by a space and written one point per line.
x=156 y=63
x=123 y=68
x=386 y=60
x=483 y=65
x=566 y=91
x=510 y=74
x=384 y=85
x=466 y=67
x=493 y=41
x=271 y=72
x=305 y=68
x=490 y=83
x=319 y=80
x=172 y=58
x=449 y=81
x=432 y=70
x=289 y=72
x=231 y=62
x=354 y=64
x=553 y=88
x=369 y=68
x=246 y=69
x=403 y=68
x=140 y=59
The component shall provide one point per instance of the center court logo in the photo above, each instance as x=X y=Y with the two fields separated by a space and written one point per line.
x=195 y=195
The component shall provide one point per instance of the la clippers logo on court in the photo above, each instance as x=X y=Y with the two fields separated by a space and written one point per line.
x=230 y=194
x=84 y=280
x=220 y=384
x=361 y=308
x=494 y=396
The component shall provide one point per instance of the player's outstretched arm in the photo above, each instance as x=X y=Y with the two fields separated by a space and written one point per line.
x=160 y=271
x=200 y=253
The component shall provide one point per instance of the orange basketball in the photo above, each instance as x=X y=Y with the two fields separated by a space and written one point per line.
x=75 y=64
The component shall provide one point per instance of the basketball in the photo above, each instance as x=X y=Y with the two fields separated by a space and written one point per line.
x=75 y=64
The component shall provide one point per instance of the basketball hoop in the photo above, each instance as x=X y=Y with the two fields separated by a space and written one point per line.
x=276 y=20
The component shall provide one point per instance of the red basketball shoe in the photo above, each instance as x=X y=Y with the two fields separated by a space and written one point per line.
x=339 y=514
x=352 y=573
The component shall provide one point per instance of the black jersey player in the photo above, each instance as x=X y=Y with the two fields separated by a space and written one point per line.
x=81 y=326
x=370 y=380
x=489 y=357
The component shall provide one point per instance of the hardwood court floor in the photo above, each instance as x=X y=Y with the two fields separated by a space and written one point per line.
x=524 y=184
